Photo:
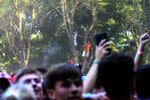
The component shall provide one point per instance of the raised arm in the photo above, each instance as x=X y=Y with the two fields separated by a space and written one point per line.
x=144 y=39
x=101 y=51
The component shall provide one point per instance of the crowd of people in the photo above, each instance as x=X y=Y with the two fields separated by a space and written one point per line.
x=112 y=76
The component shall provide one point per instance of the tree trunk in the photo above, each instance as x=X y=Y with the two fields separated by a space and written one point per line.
x=69 y=22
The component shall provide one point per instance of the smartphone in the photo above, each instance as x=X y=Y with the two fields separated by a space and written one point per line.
x=99 y=37
x=145 y=37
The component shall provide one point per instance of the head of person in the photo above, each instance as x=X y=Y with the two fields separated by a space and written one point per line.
x=5 y=82
x=19 y=92
x=143 y=81
x=29 y=76
x=42 y=71
x=63 y=82
x=115 y=74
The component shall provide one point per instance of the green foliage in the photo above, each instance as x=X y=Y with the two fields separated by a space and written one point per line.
x=41 y=23
x=83 y=16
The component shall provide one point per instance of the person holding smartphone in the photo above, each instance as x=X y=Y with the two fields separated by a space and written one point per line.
x=89 y=82
x=144 y=39
x=102 y=46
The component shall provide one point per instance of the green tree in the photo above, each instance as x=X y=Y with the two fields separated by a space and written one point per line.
x=18 y=26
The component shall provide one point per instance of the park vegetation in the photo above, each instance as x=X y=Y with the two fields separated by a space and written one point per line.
x=41 y=32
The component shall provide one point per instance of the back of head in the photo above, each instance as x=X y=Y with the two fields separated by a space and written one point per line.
x=143 y=81
x=60 y=72
x=115 y=74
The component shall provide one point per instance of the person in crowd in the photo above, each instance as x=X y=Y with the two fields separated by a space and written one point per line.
x=19 y=92
x=5 y=82
x=115 y=74
x=143 y=82
x=144 y=39
x=89 y=86
x=63 y=82
x=113 y=65
x=100 y=53
x=43 y=71
x=29 y=76
x=142 y=70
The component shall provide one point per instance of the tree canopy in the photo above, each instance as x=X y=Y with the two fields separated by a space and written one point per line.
x=43 y=32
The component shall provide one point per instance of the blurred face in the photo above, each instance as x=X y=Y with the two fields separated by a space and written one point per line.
x=67 y=90
x=34 y=81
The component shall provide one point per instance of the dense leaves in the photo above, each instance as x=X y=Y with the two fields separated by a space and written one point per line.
x=40 y=32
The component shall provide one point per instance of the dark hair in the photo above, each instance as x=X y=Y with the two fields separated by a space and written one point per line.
x=42 y=70
x=24 y=71
x=4 y=84
x=143 y=81
x=115 y=74
x=60 y=72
